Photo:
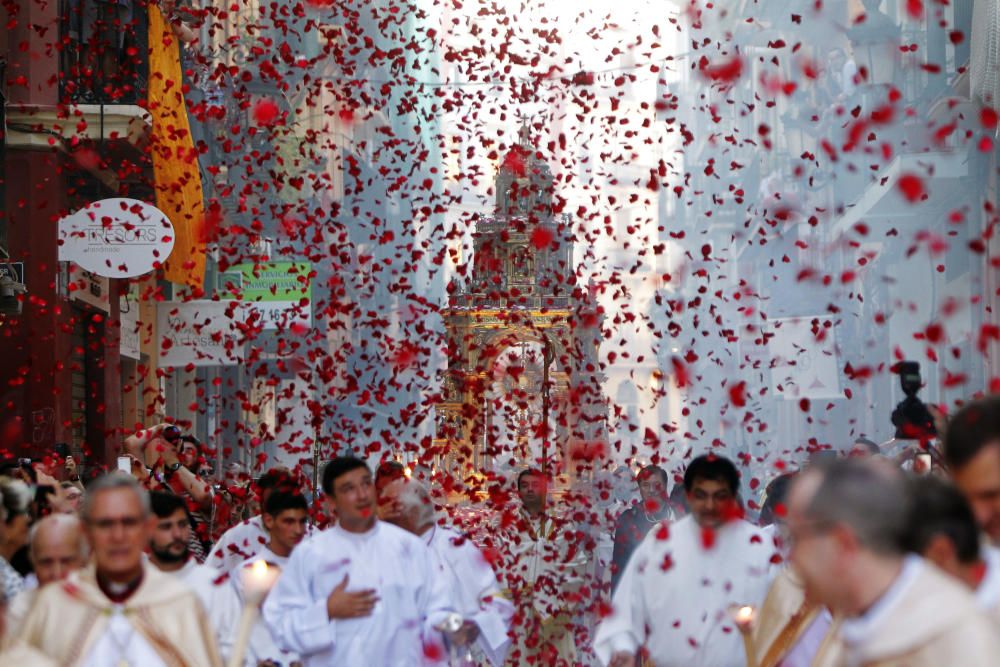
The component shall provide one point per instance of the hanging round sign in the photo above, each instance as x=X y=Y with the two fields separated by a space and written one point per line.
x=116 y=238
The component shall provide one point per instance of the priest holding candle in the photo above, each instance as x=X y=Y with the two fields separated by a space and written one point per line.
x=363 y=592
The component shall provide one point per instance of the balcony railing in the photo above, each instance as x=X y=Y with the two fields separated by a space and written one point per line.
x=104 y=50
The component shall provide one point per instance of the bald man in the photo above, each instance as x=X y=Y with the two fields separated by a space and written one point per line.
x=475 y=592
x=57 y=547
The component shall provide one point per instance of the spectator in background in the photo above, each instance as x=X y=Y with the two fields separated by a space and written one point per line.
x=10 y=579
x=863 y=447
x=157 y=454
x=635 y=522
x=72 y=497
x=17 y=510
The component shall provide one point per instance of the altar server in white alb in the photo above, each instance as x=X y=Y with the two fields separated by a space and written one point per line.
x=286 y=517
x=247 y=538
x=363 y=592
x=674 y=598
x=486 y=613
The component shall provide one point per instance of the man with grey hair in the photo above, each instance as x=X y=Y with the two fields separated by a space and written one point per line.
x=126 y=612
x=476 y=595
x=57 y=548
x=847 y=523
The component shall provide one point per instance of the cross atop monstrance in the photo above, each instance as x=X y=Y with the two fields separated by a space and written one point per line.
x=524 y=133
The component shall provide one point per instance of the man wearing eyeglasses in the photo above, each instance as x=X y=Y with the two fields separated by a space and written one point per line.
x=847 y=525
x=119 y=611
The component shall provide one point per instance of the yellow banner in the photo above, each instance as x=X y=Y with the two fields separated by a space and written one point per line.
x=175 y=162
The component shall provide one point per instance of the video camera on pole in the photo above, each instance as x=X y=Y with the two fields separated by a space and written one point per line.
x=912 y=419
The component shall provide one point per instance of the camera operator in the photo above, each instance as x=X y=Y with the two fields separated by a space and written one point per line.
x=170 y=460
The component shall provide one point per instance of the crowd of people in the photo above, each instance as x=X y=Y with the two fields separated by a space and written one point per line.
x=852 y=561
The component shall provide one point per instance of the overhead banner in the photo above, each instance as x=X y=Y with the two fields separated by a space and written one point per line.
x=281 y=292
x=202 y=333
x=116 y=238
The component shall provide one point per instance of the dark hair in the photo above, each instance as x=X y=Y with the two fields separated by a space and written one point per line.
x=941 y=509
x=775 y=495
x=276 y=477
x=282 y=500
x=870 y=445
x=337 y=467
x=650 y=470
x=528 y=472
x=972 y=429
x=714 y=468
x=389 y=471
x=164 y=504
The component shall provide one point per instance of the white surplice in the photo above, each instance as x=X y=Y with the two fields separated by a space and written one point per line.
x=239 y=543
x=121 y=646
x=262 y=646
x=988 y=591
x=477 y=595
x=414 y=596
x=676 y=591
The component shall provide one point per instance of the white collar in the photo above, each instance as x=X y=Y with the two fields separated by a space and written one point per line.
x=988 y=591
x=357 y=537
x=857 y=630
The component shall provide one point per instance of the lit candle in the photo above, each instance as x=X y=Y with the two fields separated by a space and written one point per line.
x=258 y=580
x=743 y=616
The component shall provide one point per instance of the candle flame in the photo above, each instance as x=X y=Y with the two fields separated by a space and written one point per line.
x=259 y=568
x=744 y=613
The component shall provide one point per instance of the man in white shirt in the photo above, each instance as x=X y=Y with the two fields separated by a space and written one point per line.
x=247 y=538
x=847 y=524
x=170 y=550
x=363 y=592
x=286 y=516
x=57 y=548
x=673 y=599
x=478 y=598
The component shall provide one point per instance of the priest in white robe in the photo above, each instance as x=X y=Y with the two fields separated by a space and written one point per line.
x=119 y=611
x=363 y=592
x=848 y=521
x=673 y=601
x=475 y=590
